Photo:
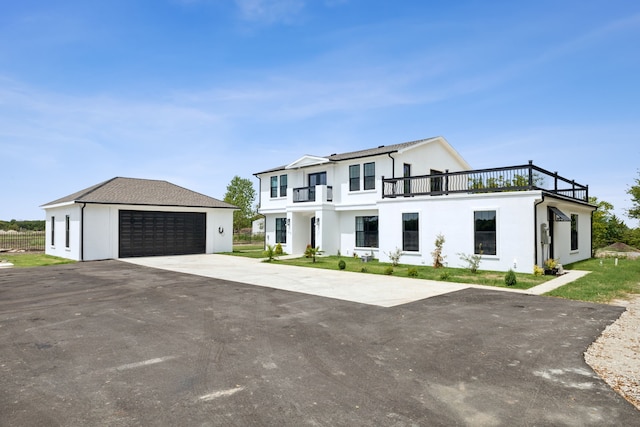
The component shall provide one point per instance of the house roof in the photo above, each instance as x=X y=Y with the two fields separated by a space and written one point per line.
x=370 y=152
x=148 y=192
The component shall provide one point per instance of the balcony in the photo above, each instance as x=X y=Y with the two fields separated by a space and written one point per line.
x=308 y=194
x=512 y=178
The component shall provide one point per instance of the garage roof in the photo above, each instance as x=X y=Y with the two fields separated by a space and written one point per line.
x=147 y=192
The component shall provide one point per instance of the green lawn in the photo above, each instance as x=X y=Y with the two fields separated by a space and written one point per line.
x=489 y=278
x=605 y=282
x=35 y=259
x=249 y=251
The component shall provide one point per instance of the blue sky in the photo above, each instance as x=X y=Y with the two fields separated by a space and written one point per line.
x=197 y=91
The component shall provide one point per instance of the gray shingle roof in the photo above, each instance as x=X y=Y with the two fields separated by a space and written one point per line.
x=148 y=192
x=383 y=149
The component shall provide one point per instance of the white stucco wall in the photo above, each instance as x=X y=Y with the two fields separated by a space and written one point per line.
x=58 y=247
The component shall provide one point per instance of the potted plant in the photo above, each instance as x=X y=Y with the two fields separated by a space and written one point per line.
x=551 y=267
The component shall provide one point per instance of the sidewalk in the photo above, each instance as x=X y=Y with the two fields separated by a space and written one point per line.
x=374 y=289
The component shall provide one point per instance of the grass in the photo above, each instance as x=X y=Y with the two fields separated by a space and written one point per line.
x=606 y=281
x=249 y=251
x=33 y=259
x=489 y=278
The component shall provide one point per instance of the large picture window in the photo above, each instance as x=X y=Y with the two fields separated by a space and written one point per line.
x=274 y=186
x=354 y=177
x=484 y=232
x=367 y=231
x=410 y=237
x=574 y=232
x=283 y=185
x=281 y=230
x=369 y=176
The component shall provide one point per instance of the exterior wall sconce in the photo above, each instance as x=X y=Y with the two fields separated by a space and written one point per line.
x=318 y=222
x=220 y=230
x=288 y=222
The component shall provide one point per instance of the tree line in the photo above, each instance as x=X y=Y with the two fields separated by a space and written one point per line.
x=32 y=225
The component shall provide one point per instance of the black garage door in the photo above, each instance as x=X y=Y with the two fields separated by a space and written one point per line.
x=147 y=233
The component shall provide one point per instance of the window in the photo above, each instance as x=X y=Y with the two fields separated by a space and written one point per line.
x=436 y=183
x=319 y=178
x=281 y=230
x=369 y=176
x=67 y=223
x=283 y=185
x=367 y=231
x=53 y=230
x=274 y=186
x=406 y=173
x=410 y=241
x=354 y=177
x=574 y=232
x=484 y=232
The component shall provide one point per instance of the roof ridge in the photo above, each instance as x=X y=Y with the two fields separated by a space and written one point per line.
x=95 y=187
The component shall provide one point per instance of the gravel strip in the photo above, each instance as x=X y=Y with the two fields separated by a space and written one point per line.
x=615 y=355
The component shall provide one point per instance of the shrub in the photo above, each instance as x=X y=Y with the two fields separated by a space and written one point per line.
x=363 y=270
x=270 y=253
x=438 y=258
x=412 y=272
x=312 y=252
x=394 y=256
x=551 y=263
x=342 y=265
x=510 y=278
x=473 y=261
x=278 y=249
x=537 y=270
x=388 y=271
x=445 y=275
x=307 y=251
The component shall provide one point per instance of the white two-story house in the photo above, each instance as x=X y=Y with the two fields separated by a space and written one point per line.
x=402 y=196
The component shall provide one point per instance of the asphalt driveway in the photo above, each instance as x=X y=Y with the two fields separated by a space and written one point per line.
x=112 y=343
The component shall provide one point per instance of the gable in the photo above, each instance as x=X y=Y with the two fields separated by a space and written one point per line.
x=307 y=160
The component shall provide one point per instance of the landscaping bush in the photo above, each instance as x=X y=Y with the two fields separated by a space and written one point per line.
x=395 y=257
x=438 y=258
x=412 y=272
x=342 y=265
x=388 y=271
x=363 y=270
x=473 y=261
x=538 y=271
x=445 y=275
x=278 y=249
x=510 y=278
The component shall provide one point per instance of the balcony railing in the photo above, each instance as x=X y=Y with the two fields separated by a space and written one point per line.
x=308 y=194
x=512 y=178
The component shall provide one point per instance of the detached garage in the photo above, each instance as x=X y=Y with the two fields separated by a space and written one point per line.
x=128 y=217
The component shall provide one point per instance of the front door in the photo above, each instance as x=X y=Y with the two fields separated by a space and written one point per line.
x=313 y=232
x=319 y=178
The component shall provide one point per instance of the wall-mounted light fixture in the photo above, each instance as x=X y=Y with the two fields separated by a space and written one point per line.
x=288 y=222
x=220 y=230
x=318 y=222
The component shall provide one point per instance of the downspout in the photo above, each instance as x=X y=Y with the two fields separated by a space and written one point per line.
x=393 y=166
x=535 y=230
x=82 y=232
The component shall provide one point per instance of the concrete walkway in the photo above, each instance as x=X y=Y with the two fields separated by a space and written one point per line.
x=374 y=289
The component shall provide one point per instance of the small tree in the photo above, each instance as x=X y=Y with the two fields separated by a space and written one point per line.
x=394 y=256
x=634 y=192
x=438 y=258
x=510 y=278
x=473 y=261
x=312 y=252
x=240 y=192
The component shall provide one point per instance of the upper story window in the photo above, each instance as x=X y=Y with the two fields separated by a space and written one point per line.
x=274 y=186
x=369 y=176
x=283 y=185
x=354 y=177
x=410 y=233
x=484 y=232
x=574 y=232
x=319 y=178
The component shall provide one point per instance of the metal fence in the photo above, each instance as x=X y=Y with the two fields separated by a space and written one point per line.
x=22 y=241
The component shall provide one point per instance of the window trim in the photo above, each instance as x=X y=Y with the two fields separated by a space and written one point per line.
x=495 y=232
x=364 y=231
x=274 y=188
x=53 y=231
x=354 y=181
x=283 y=187
x=67 y=231
x=574 y=233
x=405 y=246
x=369 y=180
x=281 y=233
